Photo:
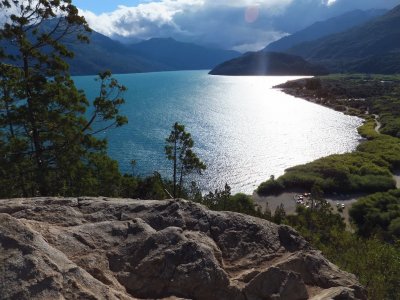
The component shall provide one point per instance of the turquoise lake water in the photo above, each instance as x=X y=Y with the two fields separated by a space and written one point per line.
x=244 y=130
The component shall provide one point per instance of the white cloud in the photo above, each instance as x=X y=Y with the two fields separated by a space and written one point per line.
x=141 y=20
x=220 y=22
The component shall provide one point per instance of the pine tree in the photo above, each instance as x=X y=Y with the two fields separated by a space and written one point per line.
x=280 y=214
x=47 y=143
x=185 y=161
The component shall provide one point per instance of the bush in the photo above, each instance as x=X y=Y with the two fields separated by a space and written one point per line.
x=385 y=147
x=270 y=187
x=345 y=173
x=375 y=262
x=378 y=214
x=367 y=130
x=313 y=84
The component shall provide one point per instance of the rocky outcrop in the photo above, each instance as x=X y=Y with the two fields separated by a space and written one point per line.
x=98 y=248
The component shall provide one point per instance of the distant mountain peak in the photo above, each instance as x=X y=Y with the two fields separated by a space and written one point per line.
x=324 y=28
x=153 y=55
x=181 y=55
x=373 y=47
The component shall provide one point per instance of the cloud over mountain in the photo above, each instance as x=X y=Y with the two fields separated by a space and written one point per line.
x=229 y=24
x=241 y=24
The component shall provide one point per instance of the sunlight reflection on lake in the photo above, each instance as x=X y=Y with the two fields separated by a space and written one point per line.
x=244 y=130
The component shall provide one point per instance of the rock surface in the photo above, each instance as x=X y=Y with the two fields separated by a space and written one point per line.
x=100 y=248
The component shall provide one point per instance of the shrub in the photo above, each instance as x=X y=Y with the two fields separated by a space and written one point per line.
x=270 y=187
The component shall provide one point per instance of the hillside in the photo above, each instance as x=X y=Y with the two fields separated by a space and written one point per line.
x=181 y=56
x=103 y=53
x=99 y=248
x=324 y=28
x=148 y=56
x=271 y=63
x=372 y=48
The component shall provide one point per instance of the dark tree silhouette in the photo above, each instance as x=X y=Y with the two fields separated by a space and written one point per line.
x=178 y=149
x=47 y=144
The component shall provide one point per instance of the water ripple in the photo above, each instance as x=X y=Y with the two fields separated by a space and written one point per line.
x=243 y=129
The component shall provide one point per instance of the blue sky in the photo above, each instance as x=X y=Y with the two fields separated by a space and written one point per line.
x=101 y=6
x=242 y=25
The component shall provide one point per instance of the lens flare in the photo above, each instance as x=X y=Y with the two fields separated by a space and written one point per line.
x=251 y=14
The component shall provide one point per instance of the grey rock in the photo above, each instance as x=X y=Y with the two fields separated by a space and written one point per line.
x=102 y=248
x=336 y=293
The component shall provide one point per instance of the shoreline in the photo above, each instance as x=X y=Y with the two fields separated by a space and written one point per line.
x=287 y=196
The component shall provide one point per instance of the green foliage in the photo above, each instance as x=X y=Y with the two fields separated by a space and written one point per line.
x=367 y=170
x=194 y=193
x=178 y=149
x=152 y=187
x=129 y=186
x=371 y=253
x=394 y=228
x=374 y=262
x=219 y=200
x=279 y=215
x=149 y=188
x=386 y=106
x=242 y=203
x=345 y=173
x=270 y=187
x=48 y=146
x=317 y=225
x=367 y=130
x=313 y=84
x=222 y=200
x=378 y=214
x=384 y=147
x=133 y=164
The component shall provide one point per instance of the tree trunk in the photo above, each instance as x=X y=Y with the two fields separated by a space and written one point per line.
x=175 y=163
x=7 y=99
x=38 y=150
x=180 y=181
x=7 y=107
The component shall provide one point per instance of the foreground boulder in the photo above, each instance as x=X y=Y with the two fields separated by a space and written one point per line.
x=98 y=248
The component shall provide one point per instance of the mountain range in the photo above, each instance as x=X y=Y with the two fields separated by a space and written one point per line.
x=158 y=54
x=181 y=56
x=103 y=53
x=268 y=63
x=358 y=41
x=323 y=28
x=369 y=47
x=373 y=47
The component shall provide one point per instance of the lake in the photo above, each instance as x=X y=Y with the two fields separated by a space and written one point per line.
x=244 y=130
